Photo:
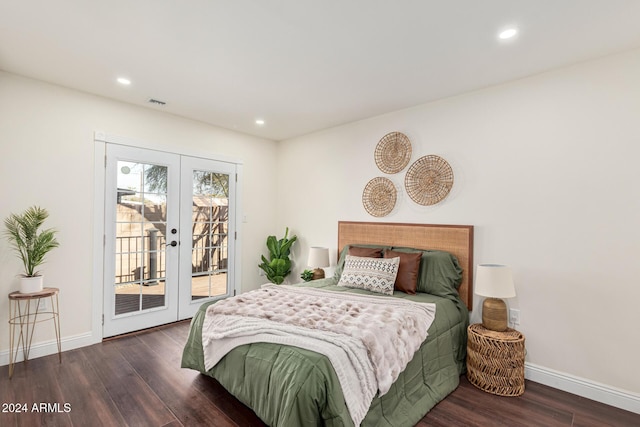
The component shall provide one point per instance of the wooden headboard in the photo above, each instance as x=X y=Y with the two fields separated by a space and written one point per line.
x=455 y=239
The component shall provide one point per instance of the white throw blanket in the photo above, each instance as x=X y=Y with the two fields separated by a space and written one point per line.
x=368 y=339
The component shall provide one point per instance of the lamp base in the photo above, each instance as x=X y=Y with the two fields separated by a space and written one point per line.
x=318 y=273
x=494 y=314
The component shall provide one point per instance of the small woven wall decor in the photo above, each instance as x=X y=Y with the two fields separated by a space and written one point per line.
x=393 y=152
x=379 y=196
x=429 y=180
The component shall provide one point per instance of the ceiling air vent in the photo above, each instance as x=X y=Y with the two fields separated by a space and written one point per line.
x=156 y=101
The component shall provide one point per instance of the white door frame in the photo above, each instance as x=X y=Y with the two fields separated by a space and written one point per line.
x=100 y=140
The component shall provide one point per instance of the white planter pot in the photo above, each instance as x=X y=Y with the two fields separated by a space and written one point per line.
x=29 y=285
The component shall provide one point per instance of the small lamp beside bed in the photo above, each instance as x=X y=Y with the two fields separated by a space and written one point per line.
x=494 y=282
x=318 y=259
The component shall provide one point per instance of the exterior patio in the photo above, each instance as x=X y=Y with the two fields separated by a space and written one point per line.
x=130 y=296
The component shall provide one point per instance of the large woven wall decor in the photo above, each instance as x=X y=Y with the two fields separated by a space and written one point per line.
x=429 y=180
x=379 y=196
x=393 y=152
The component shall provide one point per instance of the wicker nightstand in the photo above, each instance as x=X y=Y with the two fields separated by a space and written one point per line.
x=495 y=360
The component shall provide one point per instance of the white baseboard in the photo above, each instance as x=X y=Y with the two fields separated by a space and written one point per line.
x=579 y=386
x=46 y=348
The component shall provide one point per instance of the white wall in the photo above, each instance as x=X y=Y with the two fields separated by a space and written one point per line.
x=47 y=156
x=546 y=169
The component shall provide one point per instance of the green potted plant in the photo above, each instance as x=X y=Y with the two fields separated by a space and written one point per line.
x=307 y=275
x=31 y=244
x=278 y=266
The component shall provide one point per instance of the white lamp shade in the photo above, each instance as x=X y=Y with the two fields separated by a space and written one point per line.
x=494 y=281
x=318 y=257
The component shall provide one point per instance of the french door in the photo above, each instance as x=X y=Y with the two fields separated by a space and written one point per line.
x=169 y=236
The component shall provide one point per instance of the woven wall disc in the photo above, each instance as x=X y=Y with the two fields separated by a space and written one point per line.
x=429 y=180
x=393 y=152
x=379 y=196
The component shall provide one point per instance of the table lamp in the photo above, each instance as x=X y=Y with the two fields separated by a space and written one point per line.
x=494 y=281
x=318 y=258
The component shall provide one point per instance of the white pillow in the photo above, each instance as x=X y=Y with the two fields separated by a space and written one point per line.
x=372 y=274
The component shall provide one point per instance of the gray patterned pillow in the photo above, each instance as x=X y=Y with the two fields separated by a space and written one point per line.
x=372 y=274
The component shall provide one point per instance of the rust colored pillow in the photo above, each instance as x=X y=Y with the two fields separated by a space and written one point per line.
x=407 y=278
x=366 y=252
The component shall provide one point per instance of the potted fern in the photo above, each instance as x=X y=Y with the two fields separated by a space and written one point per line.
x=278 y=266
x=31 y=244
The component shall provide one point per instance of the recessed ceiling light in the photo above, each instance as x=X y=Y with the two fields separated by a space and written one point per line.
x=259 y=122
x=124 y=81
x=508 y=33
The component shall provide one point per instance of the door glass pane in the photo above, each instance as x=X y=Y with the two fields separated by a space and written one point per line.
x=141 y=228
x=210 y=223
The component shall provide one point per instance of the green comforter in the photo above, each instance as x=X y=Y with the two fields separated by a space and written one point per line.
x=289 y=386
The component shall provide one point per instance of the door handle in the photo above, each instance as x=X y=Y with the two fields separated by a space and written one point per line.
x=173 y=243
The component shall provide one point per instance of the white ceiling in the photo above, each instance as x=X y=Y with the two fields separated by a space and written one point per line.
x=301 y=65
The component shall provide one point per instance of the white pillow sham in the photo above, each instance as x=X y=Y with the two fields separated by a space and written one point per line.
x=372 y=274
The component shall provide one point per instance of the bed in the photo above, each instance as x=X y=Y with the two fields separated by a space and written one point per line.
x=287 y=385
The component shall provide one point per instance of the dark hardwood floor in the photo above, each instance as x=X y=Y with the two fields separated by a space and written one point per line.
x=136 y=380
